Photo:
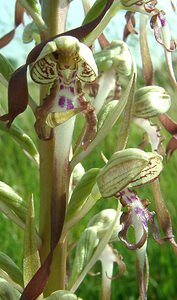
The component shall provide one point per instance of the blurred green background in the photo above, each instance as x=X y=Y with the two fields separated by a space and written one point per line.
x=21 y=173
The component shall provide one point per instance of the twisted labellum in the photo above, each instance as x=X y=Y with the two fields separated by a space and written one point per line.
x=65 y=63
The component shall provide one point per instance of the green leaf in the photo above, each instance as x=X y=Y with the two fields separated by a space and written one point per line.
x=12 y=205
x=6 y=69
x=84 y=251
x=23 y=140
x=94 y=11
x=31 y=261
x=8 y=266
x=81 y=192
x=99 y=249
x=105 y=111
x=7 y=292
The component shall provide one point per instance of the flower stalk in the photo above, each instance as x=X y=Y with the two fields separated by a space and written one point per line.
x=54 y=174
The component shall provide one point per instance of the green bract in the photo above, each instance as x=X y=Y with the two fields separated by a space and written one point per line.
x=6 y=69
x=12 y=204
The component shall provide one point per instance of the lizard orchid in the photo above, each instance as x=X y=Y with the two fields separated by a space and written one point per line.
x=66 y=64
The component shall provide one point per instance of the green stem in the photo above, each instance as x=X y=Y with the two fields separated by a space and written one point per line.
x=54 y=13
x=35 y=16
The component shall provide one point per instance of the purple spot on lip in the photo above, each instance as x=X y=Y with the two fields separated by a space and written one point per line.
x=61 y=101
x=69 y=104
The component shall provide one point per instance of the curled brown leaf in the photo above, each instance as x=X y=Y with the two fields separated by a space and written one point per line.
x=130 y=25
x=19 y=12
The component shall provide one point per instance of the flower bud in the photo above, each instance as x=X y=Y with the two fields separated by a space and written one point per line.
x=120 y=170
x=84 y=251
x=62 y=295
x=7 y=291
x=150 y=172
x=102 y=222
x=150 y=101
x=31 y=33
x=128 y=3
x=116 y=56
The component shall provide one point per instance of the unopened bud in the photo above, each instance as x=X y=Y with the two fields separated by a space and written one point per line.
x=62 y=295
x=128 y=3
x=120 y=170
x=150 y=101
x=7 y=291
x=116 y=56
x=150 y=172
x=102 y=222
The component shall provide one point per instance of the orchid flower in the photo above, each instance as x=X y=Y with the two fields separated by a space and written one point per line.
x=138 y=216
x=66 y=64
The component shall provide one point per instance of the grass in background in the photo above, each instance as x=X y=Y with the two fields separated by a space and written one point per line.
x=21 y=173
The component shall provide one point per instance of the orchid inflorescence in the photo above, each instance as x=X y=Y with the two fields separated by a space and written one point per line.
x=101 y=85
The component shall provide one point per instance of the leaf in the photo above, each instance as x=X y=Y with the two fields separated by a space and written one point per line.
x=6 y=69
x=105 y=111
x=130 y=25
x=148 y=72
x=7 y=265
x=19 y=11
x=12 y=204
x=7 y=292
x=163 y=215
x=94 y=11
x=23 y=140
x=81 y=192
x=31 y=260
x=17 y=95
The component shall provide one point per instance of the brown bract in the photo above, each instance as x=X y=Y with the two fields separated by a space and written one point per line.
x=19 y=12
x=171 y=126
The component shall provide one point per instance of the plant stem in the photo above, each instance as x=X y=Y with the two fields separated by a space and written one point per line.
x=54 y=13
x=54 y=171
